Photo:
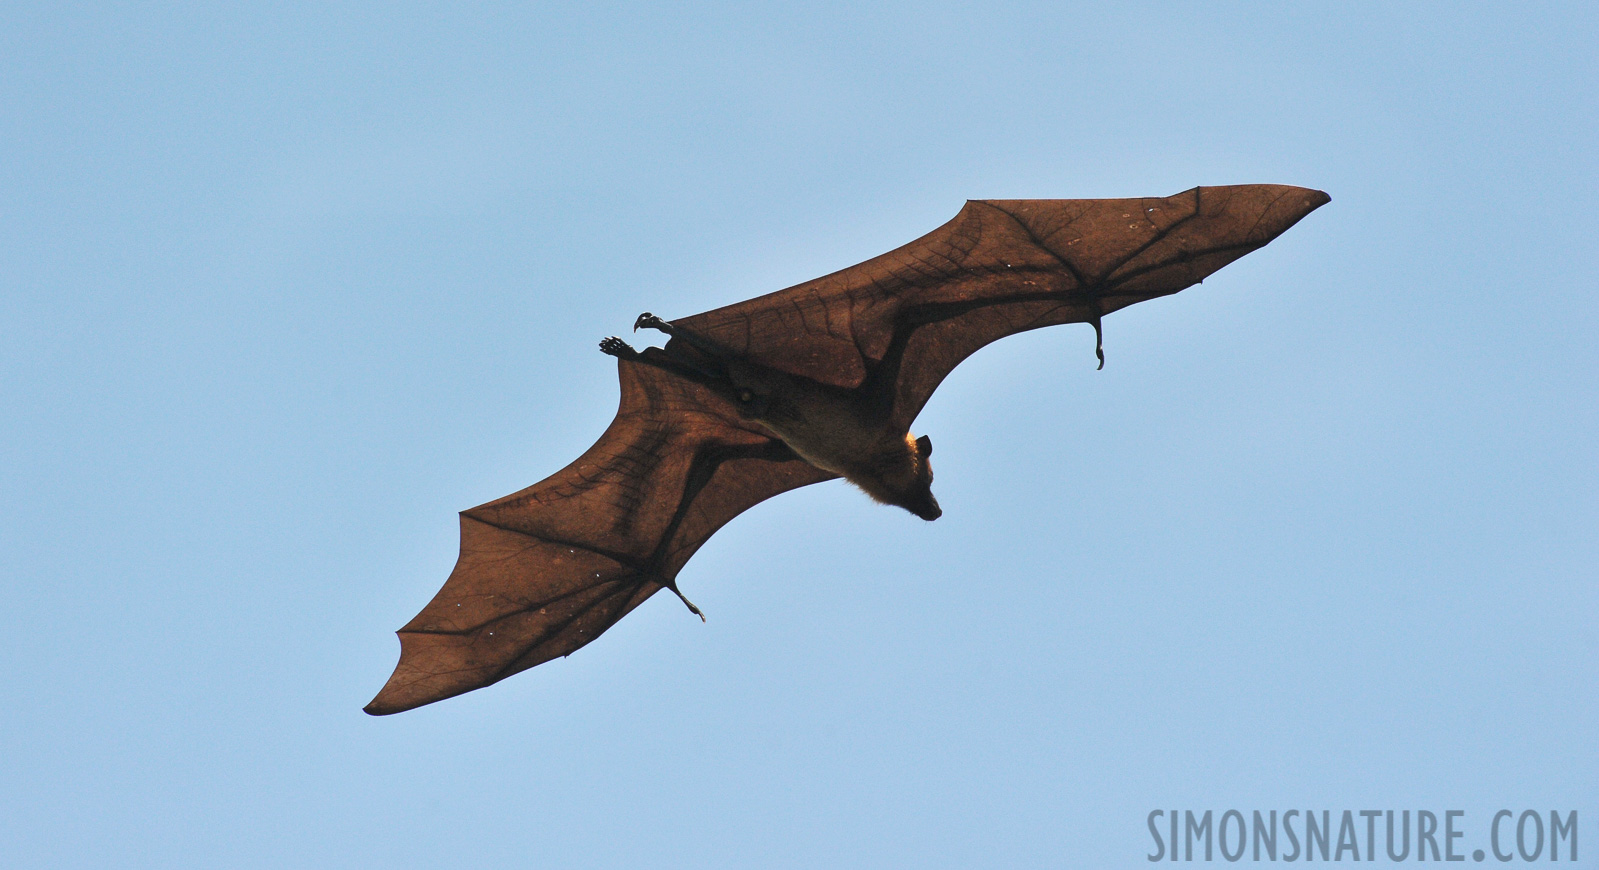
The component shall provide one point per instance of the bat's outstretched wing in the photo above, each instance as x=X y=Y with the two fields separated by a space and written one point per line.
x=546 y=570
x=897 y=324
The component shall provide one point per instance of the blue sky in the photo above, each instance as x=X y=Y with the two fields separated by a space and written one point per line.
x=285 y=289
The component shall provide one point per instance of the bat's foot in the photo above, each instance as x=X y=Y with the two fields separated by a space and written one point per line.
x=650 y=321
x=1099 y=341
x=618 y=348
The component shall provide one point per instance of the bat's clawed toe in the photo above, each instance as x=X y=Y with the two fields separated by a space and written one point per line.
x=650 y=321
x=618 y=348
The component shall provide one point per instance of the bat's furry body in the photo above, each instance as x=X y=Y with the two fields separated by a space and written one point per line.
x=836 y=430
x=837 y=435
x=819 y=381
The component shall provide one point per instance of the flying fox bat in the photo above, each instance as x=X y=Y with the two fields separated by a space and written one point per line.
x=818 y=381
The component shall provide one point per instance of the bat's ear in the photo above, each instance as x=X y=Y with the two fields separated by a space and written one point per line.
x=924 y=446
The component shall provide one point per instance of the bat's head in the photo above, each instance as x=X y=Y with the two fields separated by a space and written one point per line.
x=924 y=506
x=901 y=476
x=918 y=498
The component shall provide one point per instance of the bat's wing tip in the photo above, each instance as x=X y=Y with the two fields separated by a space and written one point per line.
x=1268 y=210
x=431 y=669
x=1290 y=196
x=393 y=698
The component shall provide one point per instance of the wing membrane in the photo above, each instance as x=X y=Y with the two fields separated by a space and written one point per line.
x=546 y=570
x=902 y=321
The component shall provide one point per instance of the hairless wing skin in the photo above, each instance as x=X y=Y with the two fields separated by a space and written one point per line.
x=897 y=324
x=544 y=571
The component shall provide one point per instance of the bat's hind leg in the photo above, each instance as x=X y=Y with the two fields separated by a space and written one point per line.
x=711 y=376
x=695 y=357
x=688 y=337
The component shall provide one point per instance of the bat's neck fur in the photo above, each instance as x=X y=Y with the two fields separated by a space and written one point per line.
x=891 y=467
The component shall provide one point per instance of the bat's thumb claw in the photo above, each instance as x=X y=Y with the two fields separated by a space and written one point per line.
x=681 y=597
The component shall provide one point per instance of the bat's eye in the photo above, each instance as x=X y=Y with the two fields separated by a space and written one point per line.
x=746 y=396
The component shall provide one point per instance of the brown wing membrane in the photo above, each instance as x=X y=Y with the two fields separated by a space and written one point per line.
x=546 y=570
x=899 y=323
